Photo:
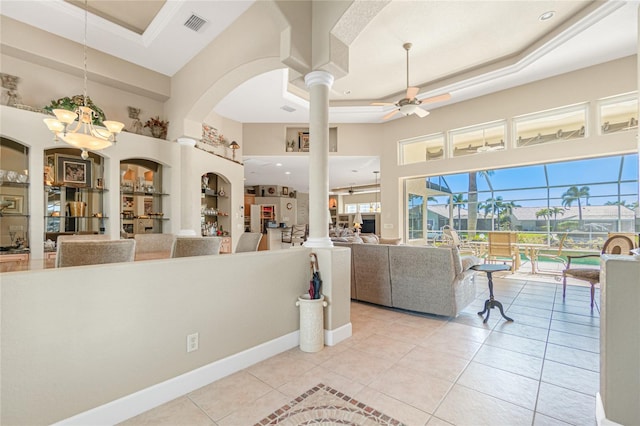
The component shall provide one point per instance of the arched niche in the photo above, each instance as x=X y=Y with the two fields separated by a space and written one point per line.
x=142 y=198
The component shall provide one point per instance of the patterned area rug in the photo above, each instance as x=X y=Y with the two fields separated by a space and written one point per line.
x=323 y=405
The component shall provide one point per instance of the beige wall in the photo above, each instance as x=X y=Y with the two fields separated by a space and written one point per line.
x=51 y=67
x=76 y=338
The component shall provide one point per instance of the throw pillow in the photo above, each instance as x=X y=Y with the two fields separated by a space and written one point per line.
x=369 y=238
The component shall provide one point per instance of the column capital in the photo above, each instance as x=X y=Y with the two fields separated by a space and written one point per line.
x=318 y=77
x=187 y=142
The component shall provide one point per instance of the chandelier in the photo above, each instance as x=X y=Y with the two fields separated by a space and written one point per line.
x=83 y=134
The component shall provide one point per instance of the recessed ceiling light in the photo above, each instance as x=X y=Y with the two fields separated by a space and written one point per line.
x=287 y=173
x=347 y=92
x=278 y=164
x=287 y=108
x=547 y=15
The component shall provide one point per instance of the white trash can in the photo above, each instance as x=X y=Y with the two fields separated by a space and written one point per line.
x=311 y=323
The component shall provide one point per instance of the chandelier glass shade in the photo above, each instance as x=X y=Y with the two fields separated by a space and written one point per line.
x=76 y=127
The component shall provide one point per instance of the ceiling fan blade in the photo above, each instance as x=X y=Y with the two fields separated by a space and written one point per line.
x=438 y=98
x=420 y=112
x=412 y=92
x=391 y=114
x=382 y=103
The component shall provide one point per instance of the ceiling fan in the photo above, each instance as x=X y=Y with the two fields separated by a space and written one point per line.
x=410 y=104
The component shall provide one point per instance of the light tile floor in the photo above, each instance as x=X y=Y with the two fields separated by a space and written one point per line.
x=542 y=369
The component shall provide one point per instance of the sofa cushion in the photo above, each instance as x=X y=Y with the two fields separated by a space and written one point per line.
x=422 y=279
x=371 y=266
x=390 y=241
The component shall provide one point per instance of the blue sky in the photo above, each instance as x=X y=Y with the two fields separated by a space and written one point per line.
x=599 y=174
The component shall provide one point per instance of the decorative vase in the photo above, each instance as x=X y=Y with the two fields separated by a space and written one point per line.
x=156 y=131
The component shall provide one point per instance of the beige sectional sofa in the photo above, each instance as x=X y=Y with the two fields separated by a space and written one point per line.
x=433 y=280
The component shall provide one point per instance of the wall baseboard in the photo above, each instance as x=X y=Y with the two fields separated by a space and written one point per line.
x=144 y=400
x=333 y=337
x=601 y=418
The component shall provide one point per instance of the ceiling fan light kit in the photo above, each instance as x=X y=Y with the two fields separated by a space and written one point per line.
x=410 y=105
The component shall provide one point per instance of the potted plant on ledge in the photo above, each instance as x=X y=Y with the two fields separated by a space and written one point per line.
x=157 y=127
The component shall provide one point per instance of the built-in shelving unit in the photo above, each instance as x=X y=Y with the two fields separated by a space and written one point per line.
x=14 y=201
x=141 y=197
x=73 y=194
x=214 y=205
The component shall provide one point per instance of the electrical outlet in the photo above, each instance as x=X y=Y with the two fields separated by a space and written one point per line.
x=192 y=342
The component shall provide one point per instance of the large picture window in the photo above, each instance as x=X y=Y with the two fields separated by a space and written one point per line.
x=416 y=216
x=582 y=200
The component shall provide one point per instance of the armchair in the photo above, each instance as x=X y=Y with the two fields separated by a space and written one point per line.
x=617 y=244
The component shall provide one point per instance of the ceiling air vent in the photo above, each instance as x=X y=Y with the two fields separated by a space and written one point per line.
x=287 y=108
x=194 y=23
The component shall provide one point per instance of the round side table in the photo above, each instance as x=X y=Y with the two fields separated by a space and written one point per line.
x=491 y=303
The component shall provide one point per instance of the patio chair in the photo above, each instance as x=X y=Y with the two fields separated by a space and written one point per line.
x=632 y=236
x=502 y=248
x=556 y=258
x=450 y=237
x=196 y=246
x=617 y=244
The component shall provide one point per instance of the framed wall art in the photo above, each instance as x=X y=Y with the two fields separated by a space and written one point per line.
x=73 y=171
x=12 y=203
x=303 y=141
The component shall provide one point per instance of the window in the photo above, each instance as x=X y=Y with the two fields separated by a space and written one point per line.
x=421 y=149
x=477 y=139
x=551 y=126
x=362 y=207
x=619 y=113
x=416 y=216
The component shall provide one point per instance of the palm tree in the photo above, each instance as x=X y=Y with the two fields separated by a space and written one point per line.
x=493 y=206
x=472 y=219
x=544 y=213
x=507 y=207
x=555 y=211
x=459 y=201
x=574 y=194
x=622 y=203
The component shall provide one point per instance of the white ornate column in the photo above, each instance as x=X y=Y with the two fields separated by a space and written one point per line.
x=187 y=200
x=319 y=83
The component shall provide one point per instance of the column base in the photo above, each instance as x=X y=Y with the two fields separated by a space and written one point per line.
x=187 y=233
x=318 y=242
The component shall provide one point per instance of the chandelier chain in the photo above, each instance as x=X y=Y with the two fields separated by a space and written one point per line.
x=84 y=42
